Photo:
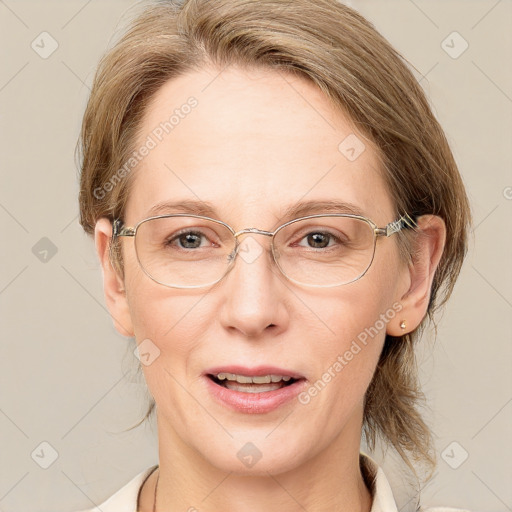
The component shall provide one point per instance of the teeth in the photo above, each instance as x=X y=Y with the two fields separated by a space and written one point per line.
x=253 y=388
x=243 y=379
x=259 y=379
x=263 y=379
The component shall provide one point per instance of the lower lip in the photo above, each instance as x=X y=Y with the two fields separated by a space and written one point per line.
x=254 y=403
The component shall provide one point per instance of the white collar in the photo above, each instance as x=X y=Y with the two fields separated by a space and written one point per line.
x=382 y=495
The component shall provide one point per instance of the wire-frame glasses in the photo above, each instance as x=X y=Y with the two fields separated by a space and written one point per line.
x=193 y=251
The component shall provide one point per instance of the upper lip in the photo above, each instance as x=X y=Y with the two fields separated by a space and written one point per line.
x=254 y=371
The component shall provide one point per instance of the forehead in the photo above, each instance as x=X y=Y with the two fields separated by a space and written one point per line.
x=252 y=143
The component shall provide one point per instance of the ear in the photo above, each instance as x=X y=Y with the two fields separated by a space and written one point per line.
x=113 y=285
x=428 y=246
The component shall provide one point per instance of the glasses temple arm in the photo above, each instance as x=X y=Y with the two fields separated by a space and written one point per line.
x=404 y=222
x=119 y=230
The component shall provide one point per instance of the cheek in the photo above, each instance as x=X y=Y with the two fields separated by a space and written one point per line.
x=344 y=360
x=160 y=313
x=170 y=318
x=359 y=311
x=168 y=325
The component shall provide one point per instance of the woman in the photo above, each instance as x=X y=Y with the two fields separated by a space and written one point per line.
x=277 y=213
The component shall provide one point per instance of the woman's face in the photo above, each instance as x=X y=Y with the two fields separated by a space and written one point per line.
x=256 y=143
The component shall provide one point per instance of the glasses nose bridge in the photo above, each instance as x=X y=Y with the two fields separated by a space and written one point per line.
x=254 y=231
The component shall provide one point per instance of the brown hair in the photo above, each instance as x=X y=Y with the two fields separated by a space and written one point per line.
x=337 y=49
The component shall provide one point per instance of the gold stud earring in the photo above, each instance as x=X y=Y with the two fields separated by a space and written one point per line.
x=403 y=325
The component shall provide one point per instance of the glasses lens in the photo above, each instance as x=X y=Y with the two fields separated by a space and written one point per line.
x=184 y=251
x=325 y=251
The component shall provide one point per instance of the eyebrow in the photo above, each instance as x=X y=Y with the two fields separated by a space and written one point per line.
x=300 y=209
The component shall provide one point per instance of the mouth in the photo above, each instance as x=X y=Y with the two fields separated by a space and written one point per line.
x=256 y=390
x=252 y=384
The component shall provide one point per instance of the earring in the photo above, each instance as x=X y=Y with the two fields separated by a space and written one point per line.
x=403 y=325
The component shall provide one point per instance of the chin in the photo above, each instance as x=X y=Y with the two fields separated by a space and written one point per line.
x=259 y=457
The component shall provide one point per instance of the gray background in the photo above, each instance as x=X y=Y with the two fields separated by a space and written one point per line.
x=68 y=379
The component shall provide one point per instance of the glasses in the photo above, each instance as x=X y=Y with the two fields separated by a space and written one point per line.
x=193 y=251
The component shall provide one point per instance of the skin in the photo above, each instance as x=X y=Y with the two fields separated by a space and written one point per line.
x=257 y=142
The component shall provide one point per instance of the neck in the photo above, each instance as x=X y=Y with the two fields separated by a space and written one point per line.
x=331 y=480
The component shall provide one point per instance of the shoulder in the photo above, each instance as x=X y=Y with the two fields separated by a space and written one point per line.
x=382 y=494
x=125 y=499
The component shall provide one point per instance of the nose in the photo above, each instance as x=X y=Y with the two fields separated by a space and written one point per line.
x=254 y=290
